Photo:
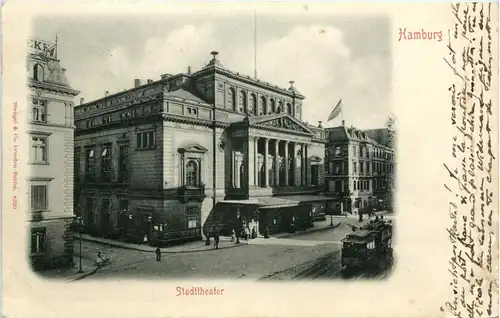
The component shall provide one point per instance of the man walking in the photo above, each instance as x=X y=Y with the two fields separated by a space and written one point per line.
x=216 y=239
x=158 y=254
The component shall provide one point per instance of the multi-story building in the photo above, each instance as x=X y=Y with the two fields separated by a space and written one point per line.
x=358 y=170
x=50 y=135
x=144 y=157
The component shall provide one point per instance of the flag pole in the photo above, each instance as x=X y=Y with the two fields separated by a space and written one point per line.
x=255 y=43
x=342 y=115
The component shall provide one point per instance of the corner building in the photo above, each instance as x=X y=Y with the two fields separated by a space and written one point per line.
x=144 y=158
x=50 y=159
x=359 y=169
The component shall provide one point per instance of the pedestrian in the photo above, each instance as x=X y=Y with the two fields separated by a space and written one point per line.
x=266 y=232
x=158 y=254
x=216 y=239
x=233 y=235
x=254 y=233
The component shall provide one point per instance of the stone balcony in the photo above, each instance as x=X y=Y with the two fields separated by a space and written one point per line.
x=187 y=193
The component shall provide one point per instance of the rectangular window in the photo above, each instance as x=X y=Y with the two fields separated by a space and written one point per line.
x=338 y=151
x=38 y=197
x=123 y=164
x=338 y=168
x=106 y=172
x=39 y=110
x=354 y=151
x=192 y=223
x=89 y=164
x=355 y=166
x=123 y=205
x=38 y=241
x=367 y=167
x=146 y=140
x=361 y=167
x=354 y=185
x=38 y=149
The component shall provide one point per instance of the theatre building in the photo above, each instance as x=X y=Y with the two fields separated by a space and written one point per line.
x=144 y=158
x=359 y=169
x=50 y=159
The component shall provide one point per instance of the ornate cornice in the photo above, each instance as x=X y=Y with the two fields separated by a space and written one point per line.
x=249 y=80
x=52 y=88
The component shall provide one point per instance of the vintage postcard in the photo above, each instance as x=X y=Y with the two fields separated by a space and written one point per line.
x=217 y=159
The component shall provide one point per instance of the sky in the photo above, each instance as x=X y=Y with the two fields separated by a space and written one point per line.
x=329 y=57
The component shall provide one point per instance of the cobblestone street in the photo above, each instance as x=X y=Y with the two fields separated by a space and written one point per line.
x=253 y=259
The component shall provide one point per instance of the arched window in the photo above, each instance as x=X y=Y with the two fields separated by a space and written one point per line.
x=280 y=107
x=272 y=107
x=191 y=174
x=243 y=102
x=289 y=109
x=38 y=72
x=253 y=105
x=262 y=106
x=232 y=99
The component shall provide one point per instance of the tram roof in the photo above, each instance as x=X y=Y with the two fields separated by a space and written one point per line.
x=359 y=236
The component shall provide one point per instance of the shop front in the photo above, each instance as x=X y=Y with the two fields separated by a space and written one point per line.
x=276 y=214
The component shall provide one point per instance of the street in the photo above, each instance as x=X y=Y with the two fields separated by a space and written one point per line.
x=313 y=255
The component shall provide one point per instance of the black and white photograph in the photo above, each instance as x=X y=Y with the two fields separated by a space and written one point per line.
x=254 y=147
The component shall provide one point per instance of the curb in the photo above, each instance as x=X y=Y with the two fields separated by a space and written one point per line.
x=312 y=231
x=83 y=275
x=153 y=251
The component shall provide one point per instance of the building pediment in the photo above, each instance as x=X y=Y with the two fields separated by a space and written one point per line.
x=280 y=121
x=193 y=148
x=315 y=159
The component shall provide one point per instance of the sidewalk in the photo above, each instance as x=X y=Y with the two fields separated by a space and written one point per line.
x=386 y=214
x=196 y=246
x=318 y=226
x=72 y=274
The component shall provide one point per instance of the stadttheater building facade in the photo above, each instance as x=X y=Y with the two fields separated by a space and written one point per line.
x=144 y=157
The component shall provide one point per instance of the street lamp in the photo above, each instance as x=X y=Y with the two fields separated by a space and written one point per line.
x=78 y=226
x=238 y=226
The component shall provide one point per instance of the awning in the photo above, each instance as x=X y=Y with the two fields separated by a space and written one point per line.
x=279 y=201
x=309 y=198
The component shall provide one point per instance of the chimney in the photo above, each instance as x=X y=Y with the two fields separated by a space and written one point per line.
x=189 y=70
x=137 y=82
x=106 y=93
x=82 y=100
x=150 y=81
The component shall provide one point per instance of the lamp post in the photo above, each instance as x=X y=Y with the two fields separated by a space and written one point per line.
x=238 y=226
x=78 y=225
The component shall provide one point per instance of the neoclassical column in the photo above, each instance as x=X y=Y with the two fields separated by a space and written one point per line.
x=302 y=165
x=236 y=181
x=266 y=162
x=252 y=163
x=286 y=163
x=255 y=161
x=295 y=165
x=276 y=163
x=246 y=162
x=306 y=165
